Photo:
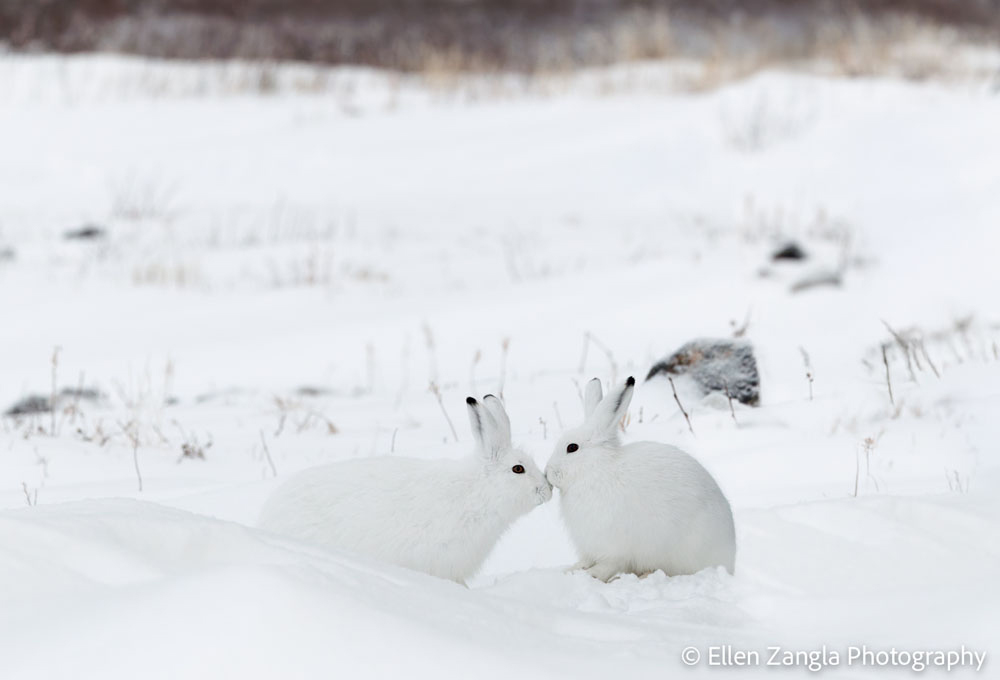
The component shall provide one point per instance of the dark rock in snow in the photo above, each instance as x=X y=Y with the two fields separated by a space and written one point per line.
x=311 y=391
x=715 y=366
x=789 y=251
x=28 y=405
x=7 y=255
x=37 y=403
x=88 y=232
x=817 y=279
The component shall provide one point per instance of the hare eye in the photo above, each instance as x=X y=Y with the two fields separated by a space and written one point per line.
x=571 y=448
x=518 y=469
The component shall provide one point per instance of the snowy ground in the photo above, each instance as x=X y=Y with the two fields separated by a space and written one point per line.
x=296 y=267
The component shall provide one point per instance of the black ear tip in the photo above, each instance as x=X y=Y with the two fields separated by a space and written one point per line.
x=630 y=382
x=471 y=401
x=489 y=396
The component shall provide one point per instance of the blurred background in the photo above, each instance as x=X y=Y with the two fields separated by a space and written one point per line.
x=492 y=35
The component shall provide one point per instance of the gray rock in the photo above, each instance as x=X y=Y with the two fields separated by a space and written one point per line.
x=37 y=403
x=88 y=232
x=311 y=391
x=789 y=251
x=716 y=365
x=34 y=403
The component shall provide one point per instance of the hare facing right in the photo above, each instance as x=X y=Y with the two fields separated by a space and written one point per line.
x=442 y=517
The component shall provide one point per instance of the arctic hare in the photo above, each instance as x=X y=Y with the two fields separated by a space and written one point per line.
x=442 y=517
x=638 y=507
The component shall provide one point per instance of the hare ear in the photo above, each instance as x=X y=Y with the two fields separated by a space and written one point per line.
x=484 y=429
x=613 y=407
x=592 y=397
x=499 y=413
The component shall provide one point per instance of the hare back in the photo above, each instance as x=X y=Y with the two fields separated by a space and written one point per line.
x=415 y=513
x=653 y=507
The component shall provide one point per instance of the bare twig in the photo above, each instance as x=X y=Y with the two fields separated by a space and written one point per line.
x=545 y=429
x=679 y=405
x=729 y=396
x=168 y=380
x=267 y=454
x=869 y=446
x=954 y=351
x=437 y=393
x=912 y=351
x=740 y=331
x=282 y=414
x=131 y=432
x=962 y=326
x=392 y=444
x=504 y=348
x=52 y=401
x=312 y=416
x=304 y=424
x=431 y=354
x=927 y=357
x=159 y=433
x=888 y=381
x=75 y=409
x=44 y=463
x=809 y=373
x=135 y=460
x=857 y=472
x=904 y=345
x=30 y=499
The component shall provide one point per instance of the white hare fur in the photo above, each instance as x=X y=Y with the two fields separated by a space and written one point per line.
x=442 y=517
x=639 y=507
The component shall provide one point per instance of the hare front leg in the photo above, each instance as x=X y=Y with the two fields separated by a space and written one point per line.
x=604 y=571
x=582 y=565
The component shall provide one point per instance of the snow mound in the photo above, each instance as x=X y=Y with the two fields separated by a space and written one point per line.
x=123 y=586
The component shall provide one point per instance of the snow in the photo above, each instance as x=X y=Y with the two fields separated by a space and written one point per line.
x=365 y=234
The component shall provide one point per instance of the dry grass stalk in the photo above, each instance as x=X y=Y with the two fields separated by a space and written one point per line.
x=729 y=397
x=504 y=350
x=679 y=405
x=437 y=394
x=888 y=379
x=52 y=399
x=267 y=455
